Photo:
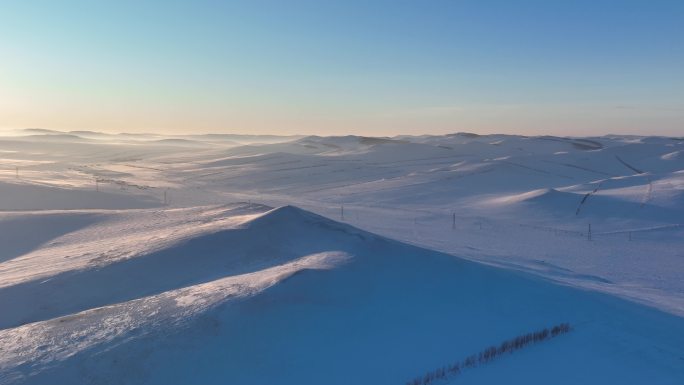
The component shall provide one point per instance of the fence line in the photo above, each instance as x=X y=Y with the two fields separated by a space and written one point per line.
x=448 y=220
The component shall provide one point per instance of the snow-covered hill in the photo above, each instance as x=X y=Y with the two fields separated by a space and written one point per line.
x=126 y=258
x=289 y=297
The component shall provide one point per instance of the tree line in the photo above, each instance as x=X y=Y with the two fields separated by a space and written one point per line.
x=489 y=354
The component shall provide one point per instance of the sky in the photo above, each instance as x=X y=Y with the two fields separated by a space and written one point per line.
x=373 y=67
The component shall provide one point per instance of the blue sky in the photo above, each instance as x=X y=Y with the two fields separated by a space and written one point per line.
x=336 y=67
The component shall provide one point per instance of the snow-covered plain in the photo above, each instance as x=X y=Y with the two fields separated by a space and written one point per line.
x=150 y=259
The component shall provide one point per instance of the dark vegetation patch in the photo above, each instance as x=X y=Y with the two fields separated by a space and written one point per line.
x=489 y=354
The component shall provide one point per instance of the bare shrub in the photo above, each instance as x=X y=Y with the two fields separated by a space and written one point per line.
x=489 y=354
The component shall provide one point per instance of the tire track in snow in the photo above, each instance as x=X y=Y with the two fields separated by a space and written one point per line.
x=586 y=197
x=628 y=165
x=649 y=190
x=648 y=195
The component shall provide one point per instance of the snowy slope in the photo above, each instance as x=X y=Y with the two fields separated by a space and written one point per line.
x=125 y=258
x=519 y=202
x=32 y=196
x=291 y=297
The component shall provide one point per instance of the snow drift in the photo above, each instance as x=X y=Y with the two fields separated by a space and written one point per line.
x=292 y=297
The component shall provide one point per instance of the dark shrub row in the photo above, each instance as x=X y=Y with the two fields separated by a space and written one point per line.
x=490 y=354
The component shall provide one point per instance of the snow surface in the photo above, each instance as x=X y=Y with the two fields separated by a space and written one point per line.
x=150 y=259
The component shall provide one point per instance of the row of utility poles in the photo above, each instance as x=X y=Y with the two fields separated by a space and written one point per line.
x=97 y=188
x=453 y=223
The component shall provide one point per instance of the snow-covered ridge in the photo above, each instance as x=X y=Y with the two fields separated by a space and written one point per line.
x=288 y=291
x=405 y=187
x=126 y=260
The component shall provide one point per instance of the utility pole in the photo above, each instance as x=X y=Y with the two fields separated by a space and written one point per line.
x=589 y=233
x=453 y=221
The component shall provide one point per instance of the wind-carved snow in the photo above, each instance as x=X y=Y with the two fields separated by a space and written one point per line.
x=49 y=342
x=115 y=236
x=125 y=259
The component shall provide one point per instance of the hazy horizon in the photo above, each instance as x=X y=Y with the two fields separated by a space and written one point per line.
x=47 y=131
